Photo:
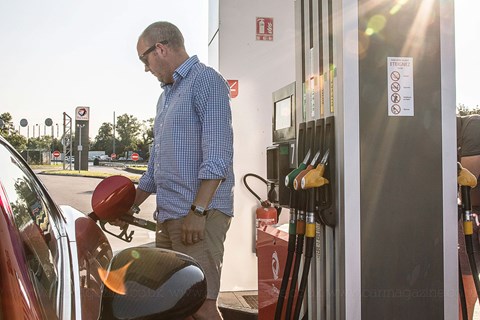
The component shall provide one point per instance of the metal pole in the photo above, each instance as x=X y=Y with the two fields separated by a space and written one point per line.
x=79 y=147
x=113 y=132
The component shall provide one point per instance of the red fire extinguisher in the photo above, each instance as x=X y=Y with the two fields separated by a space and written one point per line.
x=266 y=214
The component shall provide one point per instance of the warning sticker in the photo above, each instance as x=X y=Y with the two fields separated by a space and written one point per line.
x=400 y=86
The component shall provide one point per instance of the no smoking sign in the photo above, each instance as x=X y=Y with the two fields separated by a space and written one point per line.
x=400 y=86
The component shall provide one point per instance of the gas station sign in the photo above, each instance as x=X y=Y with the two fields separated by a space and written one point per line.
x=82 y=113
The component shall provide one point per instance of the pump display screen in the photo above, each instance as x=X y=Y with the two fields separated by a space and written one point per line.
x=283 y=113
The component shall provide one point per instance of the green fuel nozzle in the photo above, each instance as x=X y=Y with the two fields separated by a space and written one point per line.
x=291 y=176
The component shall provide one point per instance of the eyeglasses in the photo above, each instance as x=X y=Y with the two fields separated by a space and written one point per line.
x=144 y=56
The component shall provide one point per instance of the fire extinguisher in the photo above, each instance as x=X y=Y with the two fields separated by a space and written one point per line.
x=266 y=213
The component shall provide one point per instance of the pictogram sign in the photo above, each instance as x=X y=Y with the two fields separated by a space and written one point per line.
x=233 y=84
x=264 y=27
x=400 y=86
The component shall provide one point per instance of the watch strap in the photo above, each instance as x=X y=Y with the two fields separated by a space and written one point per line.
x=199 y=211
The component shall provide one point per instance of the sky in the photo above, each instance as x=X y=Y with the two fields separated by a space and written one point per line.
x=467 y=52
x=60 y=54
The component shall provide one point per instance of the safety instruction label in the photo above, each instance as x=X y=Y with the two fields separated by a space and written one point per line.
x=400 y=86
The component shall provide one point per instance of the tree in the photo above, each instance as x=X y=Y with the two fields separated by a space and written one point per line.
x=128 y=129
x=104 y=138
x=8 y=131
x=146 y=137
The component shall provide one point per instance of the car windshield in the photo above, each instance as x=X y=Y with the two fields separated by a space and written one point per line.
x=37 y=241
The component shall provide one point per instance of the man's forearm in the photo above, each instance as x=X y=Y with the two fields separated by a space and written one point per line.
x=206 y=191
x=141 y=196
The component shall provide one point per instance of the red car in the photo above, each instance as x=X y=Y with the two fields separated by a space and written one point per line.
x=56 y=263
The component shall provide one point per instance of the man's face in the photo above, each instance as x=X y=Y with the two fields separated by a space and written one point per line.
x=153 y=57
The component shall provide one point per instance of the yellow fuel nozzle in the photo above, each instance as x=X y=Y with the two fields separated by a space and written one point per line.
x=314 y=178
x=465 y=178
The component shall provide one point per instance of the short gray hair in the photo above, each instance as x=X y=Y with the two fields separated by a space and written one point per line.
x=163 y=30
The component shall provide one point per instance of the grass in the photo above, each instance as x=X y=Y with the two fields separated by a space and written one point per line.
x=54 y=170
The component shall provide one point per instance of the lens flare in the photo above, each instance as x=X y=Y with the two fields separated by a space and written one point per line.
x=375 y=24
x=115 y=280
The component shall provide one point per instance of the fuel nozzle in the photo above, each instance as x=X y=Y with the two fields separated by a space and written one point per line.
x=314 y=178
x=301 y=174
x=291 y=176
x=466 y=180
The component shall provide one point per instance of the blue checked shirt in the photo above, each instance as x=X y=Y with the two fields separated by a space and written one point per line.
x=193 y=140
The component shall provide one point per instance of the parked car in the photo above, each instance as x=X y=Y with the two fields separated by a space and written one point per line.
x=56 y=263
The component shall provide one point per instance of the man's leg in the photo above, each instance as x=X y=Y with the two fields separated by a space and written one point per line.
x=208 y=253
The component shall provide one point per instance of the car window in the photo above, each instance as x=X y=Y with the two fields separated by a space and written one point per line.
x=37 y=228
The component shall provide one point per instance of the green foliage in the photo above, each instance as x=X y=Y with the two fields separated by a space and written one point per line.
x=8 y=131
x=104 y=139
x=131 y=135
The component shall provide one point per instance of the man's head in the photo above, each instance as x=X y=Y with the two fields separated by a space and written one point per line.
x=161 y=48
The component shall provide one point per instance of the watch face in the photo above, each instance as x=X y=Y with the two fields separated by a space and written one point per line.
x=198 y=210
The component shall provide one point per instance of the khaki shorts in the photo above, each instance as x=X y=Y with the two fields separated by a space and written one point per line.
x=208 y=253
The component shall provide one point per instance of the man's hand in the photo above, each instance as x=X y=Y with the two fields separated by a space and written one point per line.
x=193 y=229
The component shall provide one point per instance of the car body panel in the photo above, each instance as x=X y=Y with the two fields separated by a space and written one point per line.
x=90 y=251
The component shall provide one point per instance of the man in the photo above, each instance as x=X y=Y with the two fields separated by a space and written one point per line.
x=191 y=162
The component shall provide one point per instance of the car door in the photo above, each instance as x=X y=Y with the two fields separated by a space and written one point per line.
x=35 y=275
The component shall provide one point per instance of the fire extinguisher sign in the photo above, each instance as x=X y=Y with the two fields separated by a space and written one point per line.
x=264 y=29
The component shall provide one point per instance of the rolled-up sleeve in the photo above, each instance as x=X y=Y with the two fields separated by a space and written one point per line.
x=147 y=181
x=213 y=108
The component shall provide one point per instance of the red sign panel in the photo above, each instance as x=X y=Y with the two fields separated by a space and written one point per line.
x=233 y=84
x=113 y=155
x=56 y=153
x=264 y=27
x=135 y=156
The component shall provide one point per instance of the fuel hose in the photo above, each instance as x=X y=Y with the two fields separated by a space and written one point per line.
x=296 y=265
x=468 y=231
x=310 y=234
x=461 y=288
x=292 y=236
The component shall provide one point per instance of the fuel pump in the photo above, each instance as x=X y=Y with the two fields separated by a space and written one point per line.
x=467 y=181
x=293 y=238
x=311 y=180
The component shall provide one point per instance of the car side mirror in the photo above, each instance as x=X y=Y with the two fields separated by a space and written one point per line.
x=152 y=283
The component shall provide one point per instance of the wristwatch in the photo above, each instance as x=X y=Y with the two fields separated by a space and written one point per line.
x=135 y=208
x=199 y=211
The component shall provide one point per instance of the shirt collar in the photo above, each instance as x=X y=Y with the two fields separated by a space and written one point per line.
x=182 y=71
